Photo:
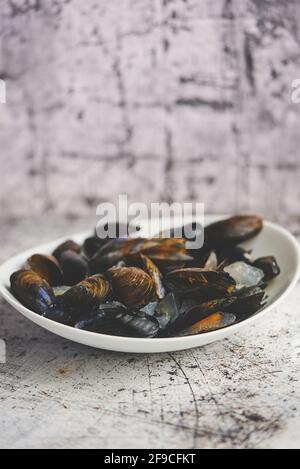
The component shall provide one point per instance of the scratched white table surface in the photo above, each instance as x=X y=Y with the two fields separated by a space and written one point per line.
x=240 y=393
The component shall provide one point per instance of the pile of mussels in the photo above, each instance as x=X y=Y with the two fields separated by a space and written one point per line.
x=150 y=287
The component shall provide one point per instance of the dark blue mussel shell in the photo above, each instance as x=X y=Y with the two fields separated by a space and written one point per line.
x=33 y=291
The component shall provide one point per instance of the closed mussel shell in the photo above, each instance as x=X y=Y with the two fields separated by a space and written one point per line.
x=134 y=324
x=75 y=268
x=59 y=314
x=269 y=266
x=102 y=319
x=95 y=323
x=132 y=286
x=47 y=267
x=68 y=245
x=32 y=291
x=199 y=312
x=85 y=297
x=234 y=230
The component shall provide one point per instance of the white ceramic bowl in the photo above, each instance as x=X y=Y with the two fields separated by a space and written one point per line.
x=273 y=240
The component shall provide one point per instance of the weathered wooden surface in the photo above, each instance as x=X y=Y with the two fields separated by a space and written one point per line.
x=239 y=393
x=161 y=99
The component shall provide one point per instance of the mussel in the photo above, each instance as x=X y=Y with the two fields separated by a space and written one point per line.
x=84 y=298
x=75 y=268
x=68 y=245
x=215 y=321
x=59 y=314
x=95 y=323
x=117 y=249
x=248 y=301
x=197 y=313
x=198 y=281
x=145 y=263
x=100 y=319
x=134 y=324
x=47 y=267
x=132 y=286
x=234 y=230
x=172 y=250
x=110 y=254
x=33 y=291
x=269 y=266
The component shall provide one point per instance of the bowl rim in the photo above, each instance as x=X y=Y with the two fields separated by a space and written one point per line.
x=122 y=340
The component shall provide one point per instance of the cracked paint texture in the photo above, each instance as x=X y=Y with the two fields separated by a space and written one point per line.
x=167 y=100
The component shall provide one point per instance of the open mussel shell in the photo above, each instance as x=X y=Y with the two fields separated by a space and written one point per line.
x=85 y=297
x=75 y=268
x=171 y=250
x=166 y=266
x=132 y=286
x=194 y=314
x=47 y=267
x=68 y=245
x=112 y=234
x=215 y=321
x=110 y=254
x=32 y=291
x=234 y=230
x=248 y=301
x=163 y=250
x=198 y=281
x=269 y=266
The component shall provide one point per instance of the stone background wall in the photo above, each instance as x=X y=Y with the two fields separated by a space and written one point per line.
x=161 y=99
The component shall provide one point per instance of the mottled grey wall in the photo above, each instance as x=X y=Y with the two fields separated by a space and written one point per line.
x=165 y=100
